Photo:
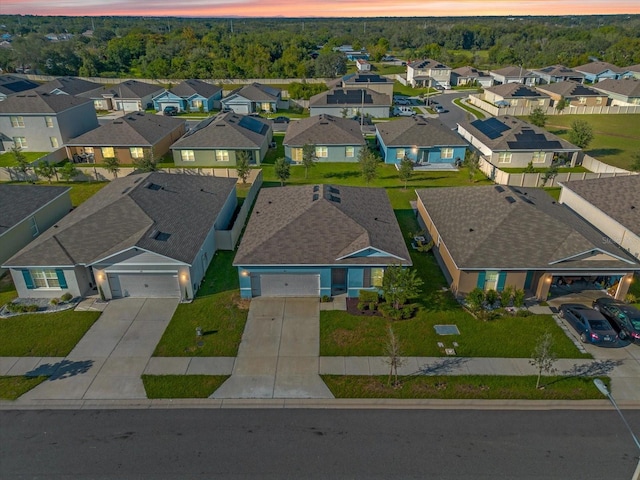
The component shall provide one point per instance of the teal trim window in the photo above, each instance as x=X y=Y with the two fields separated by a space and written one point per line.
x=372 y=277
x=46 y=278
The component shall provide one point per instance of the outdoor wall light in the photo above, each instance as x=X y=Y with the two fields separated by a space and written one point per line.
x=100 y=277
x=245 y=273
x=183 y=277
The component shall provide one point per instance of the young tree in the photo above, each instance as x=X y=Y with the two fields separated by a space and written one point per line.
x=23 y=165
x=581 y=133
x=394 y=359
x=242 y=165
x=368 y=161
x=282 y=170
x=537 y=117
x=147 y=163
x=45 y=170
x=549 y=174
x=561 y=105
x=472 y=162
x=405 y=171
x=112 y=165
x=308 y=158
x=68 y=172
x=543 y=356
x=399 y=285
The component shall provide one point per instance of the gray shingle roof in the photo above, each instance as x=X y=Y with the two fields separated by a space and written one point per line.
x=130 y=89
x=256 y=92
x=228 y=131
x=419 y=132
x=69 y=85
x=42 y=103
x=133 y=129
x=629 y=87
x=559 y=71
x=126 y=213
x=17 y=202
x=496 y=227
x=515 y=90
x=598 y=67
x=618 y=197
x=469 y=72
x=323 y=130
x=512 y=71
x=192 y=86
x=359 y=78
x=426 y=63
x=570 y=88
x=319 y=225
x=350 y=97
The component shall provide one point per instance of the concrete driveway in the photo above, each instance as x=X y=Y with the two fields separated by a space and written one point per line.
x=107 y=362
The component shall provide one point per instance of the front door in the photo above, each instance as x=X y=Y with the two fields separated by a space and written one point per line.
x=338 y=281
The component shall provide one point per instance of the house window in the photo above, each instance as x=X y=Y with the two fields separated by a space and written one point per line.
x=136 y=152
x=187 y=156
x=49 y=121
x=504 y=157
x=20 y=142
x=34 y=227
x=88 y=150
x=400 y=153
x=538 y=157
x=491 y=280
x=598 y=100
x=54 y=141
x=17 y=122
x=446 y=153
x=296 y=155
x=322 y=152
x=372 y=277
x=582 y=100
x=350 y=152
x=265 y=106
x=108 y=152
x=45 y=278
x=197 y=104
x=541 y=102
x=222 y=155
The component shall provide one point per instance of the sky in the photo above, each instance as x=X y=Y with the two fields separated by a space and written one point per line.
x=317 y=8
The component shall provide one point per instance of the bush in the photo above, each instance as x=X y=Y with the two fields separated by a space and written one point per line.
x=54 y=301
x=325 y=299
x=630 y=298
x=475 y=299
x=404 y=313
x=15 y=307
x=32 y=308
x=368 y=299
x=506 y=295
x=518 y=298
x=66 y=297
x=491 y=297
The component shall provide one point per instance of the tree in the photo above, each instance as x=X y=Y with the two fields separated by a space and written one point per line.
x=561 y=105
x=472 y=163
x=581 y=133
x=45 y=170
x=538 y=118
x=68 y=172
x=331 y=64
x=368 y=161
x=242 y=165
x=393 y=358
x=399 y=285
x=147 y=163
x=23 y=165
x=405 y=171
x=543 y=356
x=549 y=174
x=282 y=170
x=112 y=165
x=308 y=158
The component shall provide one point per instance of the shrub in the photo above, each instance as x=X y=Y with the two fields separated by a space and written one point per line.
x=368 y=299
x=506 y=295
x=15 y=307
x=406 y=312
x=66 y=297
x=325 y=299
x=518 y=298
x=54 y=301
x=32 y=308
x=491 y=297
x=630 y=298
x=475 y=299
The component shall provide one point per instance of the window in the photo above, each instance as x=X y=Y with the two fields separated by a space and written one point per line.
x=34 y=226
x=322 y=152
x=222 y=155
x=504 y=157
x=20 y=142
x=538 y=157
x=541 y=102
x=400 y=153
x=17 y=122
x=45 y=278
x=372 y=277
x=49 y=121
x=446 y=153
x=265 y=106
x=350 y=152
x=88 y=150
x=108 y=152
x=296 y=155
x=136 y=152
x=54 y=142
x=491 y=280
x=197 y=104
x=598 y=100
x=187 y=156
x=582 y=100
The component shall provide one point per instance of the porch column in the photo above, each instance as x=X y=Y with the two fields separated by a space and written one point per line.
x=544 y=284
x=623 y=286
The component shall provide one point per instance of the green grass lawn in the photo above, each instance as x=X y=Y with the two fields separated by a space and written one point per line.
x=386 y=69
x=554 y=192
x=217 y=309
x=43 y=334
x=82 y=191
x=7 y=159
x=473 y=111
x=408 y=90
x=182 y=386
x=12 y=388
x=7 y=289
x=486 y=387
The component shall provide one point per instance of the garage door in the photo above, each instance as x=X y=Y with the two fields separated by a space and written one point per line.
x=240 y=108
x=130 y=106
x=286 y=285
x=162 y=105
x=154 y=285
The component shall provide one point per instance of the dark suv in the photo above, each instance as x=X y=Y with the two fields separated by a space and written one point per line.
x=624 y=318
x=170 y=111
x=590 y=324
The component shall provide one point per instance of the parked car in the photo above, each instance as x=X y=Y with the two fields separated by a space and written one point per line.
x=402 y=101
x=170 y=111
x=403 y=111
x=624 y=318
x=281 y=120
x=590 y=324
x=439 y=109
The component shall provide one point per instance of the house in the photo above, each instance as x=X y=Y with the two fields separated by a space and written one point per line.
x=12 y=85
x=516 y=95
x=335 y=139
x=611 y=204
x=513 y=74
x=143 y=235
x=574 y=94
x=128 y=96
x=190 y=96
x=217 y=141
x=595 y=72
x=634 y=70
x=254 y=98
x=34 y=208
x=492 y=237
x=363 y=65
x=621 y=92
x=355 y=55
x=370 y=81
x=127 y=138
x=558 y=73
x=508 y=142
x=423 y=140
x=41 y=122
x=428 y=73
x=68 y=86
x=317 y=240
x=348 y=102
x=469 y=76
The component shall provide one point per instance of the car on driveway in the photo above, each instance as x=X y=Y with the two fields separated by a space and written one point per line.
x=170 y=111
x=281 y=120
x=590 y=324
x=624 y=318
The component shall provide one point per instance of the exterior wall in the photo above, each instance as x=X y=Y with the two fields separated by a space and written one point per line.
x=168 y=98
x=503 y=80
x=492 y=97
x=590 y=101
x=336 y=110
x=474 y=141
x=420 y=154
x=207 y=158
x=336 y=153
x=77 y=278
x=440 y=76
x=123 y=153
x=521 y=160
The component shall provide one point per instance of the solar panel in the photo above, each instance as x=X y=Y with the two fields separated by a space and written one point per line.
x=491 y=127
x=527 y=139
x=354 y=96
x=252 y=124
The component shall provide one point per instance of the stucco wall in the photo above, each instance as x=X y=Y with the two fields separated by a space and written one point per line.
x=335 y=153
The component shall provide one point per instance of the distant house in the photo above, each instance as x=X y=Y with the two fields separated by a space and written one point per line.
x=34 y=208
x=558 y=73
x=190 y=96
x=634 y=70
x=370 y=81
x=127 y=138
x=41 y=122
x=335 y=139
x=128 y=96
x=595 y=72
x=508 y=142
x=348 y=102
x=143 y=235
x=469 y=76
x=254 y=98
x=428 y=73
x=355 y=55
x=216 y=141
x=68 y=86
x=575 y=94
x=317 y=240
x=621 y=92
x=363 y=65
x=512 y=74
x=423 y=140
x=516 y=95
x=12 y=85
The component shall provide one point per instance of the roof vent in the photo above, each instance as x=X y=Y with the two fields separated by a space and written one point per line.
x=154 y=186
x=510 y=199
x=471 y=230
x=162 y=236
x=499 y=189
x=316 y=188
x=334 y=190
x=315 y=197
x=333 y=198
x=633 y=207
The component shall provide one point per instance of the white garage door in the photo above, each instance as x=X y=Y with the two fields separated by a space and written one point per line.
x=240 y=108
x=154 y=285
x=287 y=285
x=130 y=106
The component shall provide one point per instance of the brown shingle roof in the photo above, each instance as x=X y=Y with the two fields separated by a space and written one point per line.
x=350 y=97
x=418 y=131
x=42 y=103
x=598 y=67
x=69 y=85
x=228 y=131
x=513 y=72
x=256 y=92
x=191 y=87
x=323 y=130
x=570 y=88
x=629 y=87
x=130 y=89
x=515 y=90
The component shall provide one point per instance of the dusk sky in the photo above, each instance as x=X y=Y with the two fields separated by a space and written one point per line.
x=317 y=8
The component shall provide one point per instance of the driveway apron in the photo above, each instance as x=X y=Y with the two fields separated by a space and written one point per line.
x=279 y=353
x=108 y=361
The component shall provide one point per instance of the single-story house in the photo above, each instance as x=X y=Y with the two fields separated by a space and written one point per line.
x=128 y=96
x=516 y=95
x=127 y=138
x=595 y=72
x=349 y=102
x=370 y=81
x=621 y=92
x=508 y=142
x=335 y=139
x=423 y=140
x=634 y=70
x=492 y=237
x=190 y=96
x=558 y=73
x=27 y=211
x=428 y=73
x=513 y=74
x=254 y=98
x=11 y=85
x=574 y=94
x=611 y=204
x=469 y=76
x=317 y=240
x=216 y=141
x=143 y=235
x=362 y=65
x=68 y=86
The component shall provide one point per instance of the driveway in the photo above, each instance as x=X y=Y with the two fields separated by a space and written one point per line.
x=107 y=362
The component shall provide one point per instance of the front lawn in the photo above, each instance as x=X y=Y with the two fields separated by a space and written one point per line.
x=12 y=388
x=408 y=90
x=7 y=159
x=473 y=111
x=7 y=289
x=182 y=386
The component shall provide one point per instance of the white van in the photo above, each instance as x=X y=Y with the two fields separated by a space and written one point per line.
x=403 y=111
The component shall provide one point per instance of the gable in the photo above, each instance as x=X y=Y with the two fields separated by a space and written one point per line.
x=368 y=253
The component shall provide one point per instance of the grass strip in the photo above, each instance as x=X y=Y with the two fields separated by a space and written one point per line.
x=13 y=387
x=182 y=386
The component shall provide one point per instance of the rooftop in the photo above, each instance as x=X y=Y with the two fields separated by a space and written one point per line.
x=226 y=130
x=324 y=130
x=40 y=103
x=21 y=201
x=418 y=131
x=351 y=96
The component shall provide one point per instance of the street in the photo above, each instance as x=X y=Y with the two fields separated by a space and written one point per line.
x=300 y=443
x=454 y=114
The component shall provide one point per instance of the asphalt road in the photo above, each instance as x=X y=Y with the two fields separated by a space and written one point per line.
x=454 y=114
x=310 y=444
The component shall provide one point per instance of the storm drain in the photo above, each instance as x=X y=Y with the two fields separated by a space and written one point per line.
x=447 y=329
